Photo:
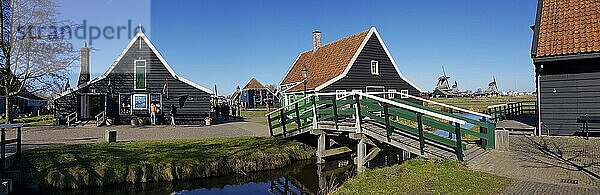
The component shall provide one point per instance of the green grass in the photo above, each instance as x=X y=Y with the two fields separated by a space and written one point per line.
x=424 y=177
x=253 y=114
x=33 y=121
x=81 y=160
x=479 y=104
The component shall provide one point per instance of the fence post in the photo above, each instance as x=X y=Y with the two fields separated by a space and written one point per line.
x=19 y=142
x=270 y=125
x=358 y=117
x=335 y=114
x=388 y=128
x=2 y=151
x=459 y=152
x=298 y=122
x=282 y=120
x=421 y=137
x=484 y=131
x=315 y=114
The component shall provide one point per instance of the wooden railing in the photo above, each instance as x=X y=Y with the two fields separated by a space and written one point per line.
x=4 y=142
x=357 y=106
x=511 y=109
x=71 y=118
x=100 y=118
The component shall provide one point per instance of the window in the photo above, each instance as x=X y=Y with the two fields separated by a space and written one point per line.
x=404 y=93
x=391 y=94
x=140 y=101
x=124 y=104
x=374 y=67
x=357 y=90
x=139 y=75
x=339 y=94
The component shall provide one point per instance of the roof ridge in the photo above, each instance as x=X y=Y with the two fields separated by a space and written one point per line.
x=339 y=40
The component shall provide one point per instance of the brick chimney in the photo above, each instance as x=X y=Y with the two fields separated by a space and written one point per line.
x=316 y=40
x=84 y=74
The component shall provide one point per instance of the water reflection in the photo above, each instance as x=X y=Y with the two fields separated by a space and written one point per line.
x=303 y=177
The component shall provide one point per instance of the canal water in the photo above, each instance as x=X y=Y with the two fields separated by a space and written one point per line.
x=465 y=126
x=303 y=177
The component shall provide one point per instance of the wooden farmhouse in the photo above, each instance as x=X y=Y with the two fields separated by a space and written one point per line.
x=359 y=62
x=566 y=56
x=139 y=77
x=256 y=95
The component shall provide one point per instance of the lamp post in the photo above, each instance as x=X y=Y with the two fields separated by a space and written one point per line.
x=304 y=72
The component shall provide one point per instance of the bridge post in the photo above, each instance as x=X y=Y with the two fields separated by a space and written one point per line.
x=282 y=120
x=361 y=155
x=2 y=151
x=314 y=108
x=421 y=137
x=483 y=130
x=388 y=128
x=335 y=114
x=358 y=117
x=459 y=152
x=321 y=148
x=270 y=125
x=298 y=122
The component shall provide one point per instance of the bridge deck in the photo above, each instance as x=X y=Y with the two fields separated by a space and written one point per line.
x=515 y=127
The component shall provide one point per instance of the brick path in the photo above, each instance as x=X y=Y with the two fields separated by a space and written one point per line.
x=546 y=165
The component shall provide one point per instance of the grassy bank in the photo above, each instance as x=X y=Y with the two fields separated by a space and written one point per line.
x=33 y=121
x=98 y=164
x=424 y=177
x=480 y=104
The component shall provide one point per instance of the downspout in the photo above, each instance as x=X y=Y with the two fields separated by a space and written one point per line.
x=539 y=101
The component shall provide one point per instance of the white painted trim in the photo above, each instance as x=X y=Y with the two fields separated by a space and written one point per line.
x=415 y=109
x=376 y=67
x=133 y=101
x=403 y=93
x=391 y=93
x=340 y=94
x=372 y=31
x=375 y=87
x=155 y=51
x=135 y=66
x=290 y=69
x=130 y=106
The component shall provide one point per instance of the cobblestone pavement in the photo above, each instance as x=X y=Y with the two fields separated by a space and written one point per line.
x=546 y=165
x=54 y=135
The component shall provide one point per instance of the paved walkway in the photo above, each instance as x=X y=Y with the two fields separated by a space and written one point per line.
x=546 y=165
x=55 y=135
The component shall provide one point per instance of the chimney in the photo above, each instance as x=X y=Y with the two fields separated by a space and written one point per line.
x=84 y=74
x=316 y=40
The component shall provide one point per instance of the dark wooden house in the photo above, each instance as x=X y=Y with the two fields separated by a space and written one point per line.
x=256 y=95
x=139 y=77
x=25 y=103
x=566 y=56
x=359 y=62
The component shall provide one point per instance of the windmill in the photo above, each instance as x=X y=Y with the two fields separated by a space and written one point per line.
x=442 y=84
x=492 y=87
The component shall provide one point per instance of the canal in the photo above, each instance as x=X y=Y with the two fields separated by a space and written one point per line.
x=302 y=177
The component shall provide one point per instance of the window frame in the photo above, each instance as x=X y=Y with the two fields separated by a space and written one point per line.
x=376 y=70
x=130 y=106
x=338 y=96
x=133 y=107
x=392 y=93
x=403 y=93
x=135 y=66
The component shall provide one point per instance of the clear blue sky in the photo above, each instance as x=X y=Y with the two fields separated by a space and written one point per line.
x=228 y=42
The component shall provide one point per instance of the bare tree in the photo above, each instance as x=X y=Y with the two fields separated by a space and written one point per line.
x=35 y=49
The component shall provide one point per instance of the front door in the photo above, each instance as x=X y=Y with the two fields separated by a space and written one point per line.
x=92 y=105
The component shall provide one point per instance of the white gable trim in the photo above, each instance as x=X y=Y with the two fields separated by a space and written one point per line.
x=155 y=51
x=290 y=69
x=362 y=45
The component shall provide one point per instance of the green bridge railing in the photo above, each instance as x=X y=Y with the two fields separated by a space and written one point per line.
x=396 y=114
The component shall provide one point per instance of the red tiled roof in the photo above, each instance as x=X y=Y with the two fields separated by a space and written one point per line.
x=568 y=27
x=254 y=84
x=326 y=63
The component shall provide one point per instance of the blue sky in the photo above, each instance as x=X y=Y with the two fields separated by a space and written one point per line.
x=228 y=42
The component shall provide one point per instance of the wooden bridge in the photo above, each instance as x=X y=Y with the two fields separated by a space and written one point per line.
x=516 y=117
x=376 y=122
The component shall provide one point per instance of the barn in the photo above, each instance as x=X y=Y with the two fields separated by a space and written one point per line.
x=139 y=77
x=566 y=55
x=359 y=62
